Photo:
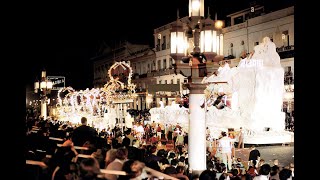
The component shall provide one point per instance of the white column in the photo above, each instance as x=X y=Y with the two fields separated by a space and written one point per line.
x=197 y=129
x=44 y=108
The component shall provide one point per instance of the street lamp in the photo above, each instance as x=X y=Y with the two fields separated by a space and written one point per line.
x=289 y=96
x=195 y=43
x=44 y=87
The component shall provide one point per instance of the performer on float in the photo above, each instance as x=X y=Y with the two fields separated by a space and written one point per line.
x=128 y=122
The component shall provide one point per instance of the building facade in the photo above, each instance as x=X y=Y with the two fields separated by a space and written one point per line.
x=154 y=67
x=246 y=32
x=124 y=51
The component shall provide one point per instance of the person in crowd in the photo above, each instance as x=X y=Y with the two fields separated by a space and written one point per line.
x=84 y=133
x=264 y=172
x=62 y=161
x=240 y=138
x=181 y=173
x=225 y=146
x=274 y=174
x=285 y=174
x=207 y=175
x=117 y=164
x=179 y=139
x=110 y=156
x=134 y=170
x=98 y=156
x=152 y=159
x=254 y=155
x=251 y=173
x=89 y=169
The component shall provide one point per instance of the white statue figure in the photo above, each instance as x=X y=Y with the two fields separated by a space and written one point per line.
x=161 y=104
x=267 y=52
x=256 y=90
x=128 y=121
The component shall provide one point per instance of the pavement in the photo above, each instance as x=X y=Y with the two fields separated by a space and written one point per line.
x=284 y=153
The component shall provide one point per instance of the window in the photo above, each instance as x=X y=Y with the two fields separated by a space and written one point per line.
x=135 y=66
x=171 y=81
x=170 y=62
x=160 y=82
x=168 y=44
x=159 y=64
x=165 y=82
x=256 y=43
x=231 y=49
x=246 y=16
x=158 y=45
x=178 y=81
x=238 y=20
x=164 y=44
x=164 y=64
x=285 y=38
x=153 y=65
x=288 y=75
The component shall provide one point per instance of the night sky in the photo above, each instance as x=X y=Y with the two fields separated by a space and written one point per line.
x=63 y=38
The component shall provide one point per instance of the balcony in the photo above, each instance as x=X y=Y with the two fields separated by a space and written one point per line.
x=285 y=48
x=140 y=90
x=158 y=47
x=161 y=72
x=143 y=75
x=163 y=46
x=286 y=54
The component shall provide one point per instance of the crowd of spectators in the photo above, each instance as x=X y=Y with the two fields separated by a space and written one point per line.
x=122 y=151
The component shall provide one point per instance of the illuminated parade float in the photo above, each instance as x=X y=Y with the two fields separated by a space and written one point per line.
x=248 y=96
x=104 y=107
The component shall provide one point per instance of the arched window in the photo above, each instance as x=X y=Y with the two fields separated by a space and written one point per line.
x=231 y=48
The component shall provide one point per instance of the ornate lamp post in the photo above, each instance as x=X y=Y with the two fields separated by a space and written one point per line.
x=193 y=45
x=44 y=86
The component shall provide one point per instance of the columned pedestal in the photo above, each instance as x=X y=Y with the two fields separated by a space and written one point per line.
x=44 y=108
x=197 y=128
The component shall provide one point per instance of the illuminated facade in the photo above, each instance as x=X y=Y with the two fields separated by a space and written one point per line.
x=246 y=32
x=153 y=67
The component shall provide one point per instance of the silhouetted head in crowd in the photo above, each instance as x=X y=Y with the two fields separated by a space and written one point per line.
x=207 y=175
x=164 y=161
x=84 y=121
x=171 y=155
x=122 y=153
x=274 y=170
x=224 y=176
x=221 y=167
x=174 y=162
x=170 y=170
x=180 y=169
x=110 y=156
x=126 y=142
x=153 y=149
x=89 y=169
x=132 y=168
x=265 y=169
x=285 y=174
x=162 y=153
x=234 y=172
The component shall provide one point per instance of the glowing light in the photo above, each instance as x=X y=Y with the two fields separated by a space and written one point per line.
x=195 y=5
x=218 y=24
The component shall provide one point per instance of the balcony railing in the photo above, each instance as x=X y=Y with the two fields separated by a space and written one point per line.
x=161 y=72
x=158 y=47
x=163 y=46
x=285 y=48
